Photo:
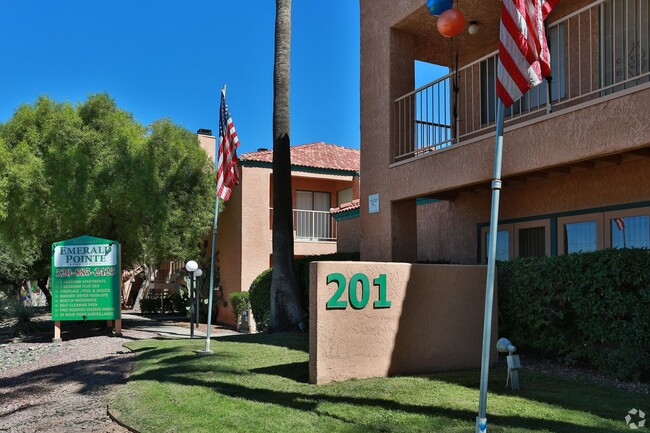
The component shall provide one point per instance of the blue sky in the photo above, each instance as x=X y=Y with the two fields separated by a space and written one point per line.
x=170 y=58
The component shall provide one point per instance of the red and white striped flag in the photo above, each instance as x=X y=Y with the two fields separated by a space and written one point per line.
x=227 y=171
x=620 y=223
x=524 y=59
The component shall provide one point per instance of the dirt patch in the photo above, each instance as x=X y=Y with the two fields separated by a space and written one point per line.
x=62 y=387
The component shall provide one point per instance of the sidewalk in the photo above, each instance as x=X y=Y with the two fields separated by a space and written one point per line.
x=141 y=323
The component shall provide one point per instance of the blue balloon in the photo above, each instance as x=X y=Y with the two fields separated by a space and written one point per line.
x=436 y=7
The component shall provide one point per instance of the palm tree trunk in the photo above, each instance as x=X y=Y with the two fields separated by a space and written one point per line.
x=286 y=311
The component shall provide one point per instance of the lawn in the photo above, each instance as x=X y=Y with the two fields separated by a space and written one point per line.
x=259 y=383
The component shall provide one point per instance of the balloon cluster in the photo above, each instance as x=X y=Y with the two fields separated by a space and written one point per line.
x=450 y=21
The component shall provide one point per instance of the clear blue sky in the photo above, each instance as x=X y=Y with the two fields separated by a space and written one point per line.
x=170 y=58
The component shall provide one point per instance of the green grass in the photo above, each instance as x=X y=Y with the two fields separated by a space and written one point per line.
x=258 y=383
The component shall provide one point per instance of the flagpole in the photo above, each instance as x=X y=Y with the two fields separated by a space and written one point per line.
x=207 y=350
x=481 y=420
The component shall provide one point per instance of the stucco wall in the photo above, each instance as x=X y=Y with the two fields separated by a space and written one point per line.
x=348 y=240
x=435 y=322
x=611 y=126
x=244 y=238
x=447 y=229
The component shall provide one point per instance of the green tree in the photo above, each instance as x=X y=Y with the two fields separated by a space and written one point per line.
x=93 y=169
x=286 y=311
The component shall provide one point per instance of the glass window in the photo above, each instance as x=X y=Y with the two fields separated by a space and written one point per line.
x=532 y=242
x=580 y=236
x=503 y=245
x=631 y=232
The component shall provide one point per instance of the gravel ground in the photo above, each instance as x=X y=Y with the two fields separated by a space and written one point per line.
x=47 y=387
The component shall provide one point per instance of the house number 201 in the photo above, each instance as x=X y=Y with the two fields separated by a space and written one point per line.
x=357 y=300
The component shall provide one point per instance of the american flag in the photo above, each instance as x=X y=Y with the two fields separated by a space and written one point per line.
x=524 y=59
x=620 y=223
x=227 y=172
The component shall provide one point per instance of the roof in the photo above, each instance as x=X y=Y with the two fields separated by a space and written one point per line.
x=354 y=204
x=317 y=155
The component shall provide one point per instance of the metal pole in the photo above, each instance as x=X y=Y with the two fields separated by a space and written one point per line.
x=207 y=350
x=196 y=299
x=192 y=305
x=481 y=420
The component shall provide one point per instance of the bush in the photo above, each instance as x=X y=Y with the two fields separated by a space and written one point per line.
x=239 y=302
x=591 y=308
x=260 y=290
x=259 y=296
x=148 y=306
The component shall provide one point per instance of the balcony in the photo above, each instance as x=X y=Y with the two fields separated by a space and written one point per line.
x=597 y=52
x=314 y=225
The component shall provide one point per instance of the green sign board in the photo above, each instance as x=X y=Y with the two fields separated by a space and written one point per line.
x=86 y=279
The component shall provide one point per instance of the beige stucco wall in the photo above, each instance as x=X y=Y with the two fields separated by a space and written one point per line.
x=448 y=229
x=435 y=322
x=613 y=125
x=348 y=240
x=244 y=237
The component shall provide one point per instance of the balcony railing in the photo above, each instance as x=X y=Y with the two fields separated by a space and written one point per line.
x=314 y=225
x=596 y=51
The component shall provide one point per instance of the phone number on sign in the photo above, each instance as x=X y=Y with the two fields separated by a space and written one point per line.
x=85 y=272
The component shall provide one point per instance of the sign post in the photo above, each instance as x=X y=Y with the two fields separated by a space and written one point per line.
x=86 y=274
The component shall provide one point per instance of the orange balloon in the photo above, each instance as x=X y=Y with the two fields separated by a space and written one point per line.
x=451 y=23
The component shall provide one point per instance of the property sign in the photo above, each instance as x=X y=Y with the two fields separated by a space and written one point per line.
x=86 y=279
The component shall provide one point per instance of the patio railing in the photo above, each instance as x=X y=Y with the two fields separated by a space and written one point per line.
x=598 y=50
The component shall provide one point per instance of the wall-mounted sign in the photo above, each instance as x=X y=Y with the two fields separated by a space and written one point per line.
x=86 y=279
x=373 y=203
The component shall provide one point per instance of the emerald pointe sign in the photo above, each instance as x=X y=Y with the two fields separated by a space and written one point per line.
x=86 y=279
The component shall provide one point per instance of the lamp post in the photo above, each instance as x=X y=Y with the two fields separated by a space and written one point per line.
x=191 y=267
x=197 y=274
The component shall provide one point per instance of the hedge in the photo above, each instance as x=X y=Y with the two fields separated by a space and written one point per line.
x=175 y=303
x=260 y=290
x=589 y=308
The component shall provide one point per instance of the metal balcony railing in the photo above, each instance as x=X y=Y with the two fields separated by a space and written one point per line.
x=314 y=225
x=596 y=51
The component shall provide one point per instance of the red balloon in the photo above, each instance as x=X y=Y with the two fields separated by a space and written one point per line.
x=451 y=23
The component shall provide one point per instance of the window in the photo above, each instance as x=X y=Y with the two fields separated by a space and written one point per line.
x=313 y=219
x=344 y=196
x=532 y=238
x=632 y=230
x=504 y=242
x=580 y=233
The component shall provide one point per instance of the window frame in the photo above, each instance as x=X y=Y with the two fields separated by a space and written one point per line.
x=546 y=223
x=562 y=221
x=623 y=213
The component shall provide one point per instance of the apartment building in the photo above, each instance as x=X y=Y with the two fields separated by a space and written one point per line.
x=576 y=158
x=324 y=176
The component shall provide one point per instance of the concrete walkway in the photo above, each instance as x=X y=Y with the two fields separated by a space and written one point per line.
x=141 y=323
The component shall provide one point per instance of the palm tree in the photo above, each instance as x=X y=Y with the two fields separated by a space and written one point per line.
x=286 y=311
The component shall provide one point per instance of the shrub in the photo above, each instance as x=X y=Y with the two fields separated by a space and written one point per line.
x=239 y=302
x=259 y=296
x=260 y=290
x=149 y=306
x=587 y=307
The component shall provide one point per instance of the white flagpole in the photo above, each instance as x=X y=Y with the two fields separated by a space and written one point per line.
x=481 y=420
x=207 y=350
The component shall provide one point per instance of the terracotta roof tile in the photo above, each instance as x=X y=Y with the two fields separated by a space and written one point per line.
x=318 y=155
x=354 y=204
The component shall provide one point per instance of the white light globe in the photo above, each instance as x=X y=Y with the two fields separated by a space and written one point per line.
x=198 y=273
x=191 y=266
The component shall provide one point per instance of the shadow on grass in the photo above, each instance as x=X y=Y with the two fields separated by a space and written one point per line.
x=292 y=341
x=296 y=371
x=569 y=394
x=308 y=402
